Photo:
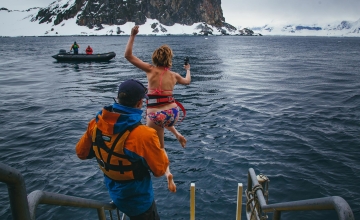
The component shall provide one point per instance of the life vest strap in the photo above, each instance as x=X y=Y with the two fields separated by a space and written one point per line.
x=182 y=109
x=119 y=167
x=100 y=143
x=107 y=150
x=161 y=99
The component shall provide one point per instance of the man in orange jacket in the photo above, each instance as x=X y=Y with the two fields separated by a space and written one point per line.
x=89 y=50
x=126 y=152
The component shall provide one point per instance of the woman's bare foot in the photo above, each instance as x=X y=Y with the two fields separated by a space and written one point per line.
x=182 y=140
x=171 y=183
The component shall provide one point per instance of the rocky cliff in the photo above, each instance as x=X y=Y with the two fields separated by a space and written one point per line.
x=93 y=13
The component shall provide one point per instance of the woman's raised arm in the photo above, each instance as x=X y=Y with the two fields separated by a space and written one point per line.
x=187 y=79
x=132 y=58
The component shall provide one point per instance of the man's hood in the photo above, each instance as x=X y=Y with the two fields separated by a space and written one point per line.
x=116 y=118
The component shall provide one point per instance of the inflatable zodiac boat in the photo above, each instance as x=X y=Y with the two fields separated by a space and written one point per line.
x=66 y=56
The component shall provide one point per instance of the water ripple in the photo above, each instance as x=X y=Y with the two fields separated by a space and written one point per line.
x=287 y=107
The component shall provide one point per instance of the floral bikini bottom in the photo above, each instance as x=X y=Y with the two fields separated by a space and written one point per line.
x=165 y=118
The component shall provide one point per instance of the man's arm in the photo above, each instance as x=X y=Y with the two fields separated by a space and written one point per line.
x=84 y=146
x=156 y=157
x=144 y=142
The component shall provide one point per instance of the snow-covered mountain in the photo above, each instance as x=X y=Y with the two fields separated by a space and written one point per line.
x=341 y=28
x=29 y=23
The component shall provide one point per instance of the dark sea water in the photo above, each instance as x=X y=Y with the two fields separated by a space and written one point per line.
x=289 y=107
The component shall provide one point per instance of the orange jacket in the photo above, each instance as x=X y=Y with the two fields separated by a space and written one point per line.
x=89 y=50
x=143 y=141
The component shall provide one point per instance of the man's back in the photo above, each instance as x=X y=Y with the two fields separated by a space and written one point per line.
x=142 y=146
x=115 y=133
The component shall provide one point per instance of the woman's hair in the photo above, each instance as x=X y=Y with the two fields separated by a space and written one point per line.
x=162 y=56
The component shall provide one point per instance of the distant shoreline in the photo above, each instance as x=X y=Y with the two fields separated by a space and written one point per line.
x=187 y=35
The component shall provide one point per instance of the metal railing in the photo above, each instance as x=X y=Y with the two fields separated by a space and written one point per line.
x=257 y=205
x=17 y=192
x=40 y=197
x=23 y=207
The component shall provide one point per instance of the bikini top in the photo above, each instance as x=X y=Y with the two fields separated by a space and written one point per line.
x=157 y=97
x=159 y=91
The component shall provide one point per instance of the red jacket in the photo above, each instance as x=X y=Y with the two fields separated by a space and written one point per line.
x=89 y=50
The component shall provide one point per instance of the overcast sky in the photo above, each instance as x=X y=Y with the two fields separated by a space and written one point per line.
x=259 y=12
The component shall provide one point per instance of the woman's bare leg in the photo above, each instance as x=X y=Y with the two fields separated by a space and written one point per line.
x=160 y=132
x=178 y=136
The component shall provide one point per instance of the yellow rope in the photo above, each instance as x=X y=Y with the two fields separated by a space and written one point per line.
x=255 y=199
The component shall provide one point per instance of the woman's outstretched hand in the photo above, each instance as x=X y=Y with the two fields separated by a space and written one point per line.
x=135 y=30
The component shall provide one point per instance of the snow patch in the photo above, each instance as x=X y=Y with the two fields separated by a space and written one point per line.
x=18 y=23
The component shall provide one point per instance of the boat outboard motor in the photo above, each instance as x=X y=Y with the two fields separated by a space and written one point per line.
x=62 y=51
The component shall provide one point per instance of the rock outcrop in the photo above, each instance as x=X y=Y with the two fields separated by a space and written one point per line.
x=93 y=13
